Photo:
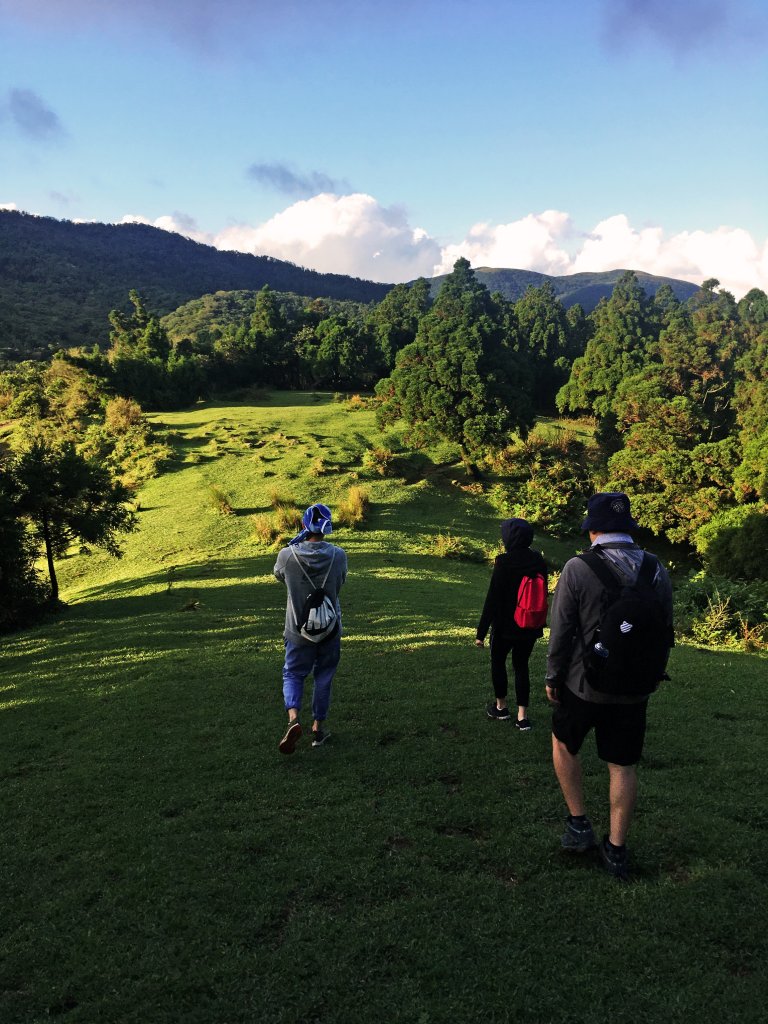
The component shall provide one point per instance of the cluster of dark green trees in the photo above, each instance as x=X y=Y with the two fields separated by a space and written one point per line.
x=279 y=340
x=678 y=393
x=270 y=340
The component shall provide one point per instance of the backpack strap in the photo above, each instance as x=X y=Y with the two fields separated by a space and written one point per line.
x=601 y=568
x=648 y=569
x=306 y=574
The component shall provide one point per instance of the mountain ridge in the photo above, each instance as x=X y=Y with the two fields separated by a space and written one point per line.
x=586 y=288
x=59 y=280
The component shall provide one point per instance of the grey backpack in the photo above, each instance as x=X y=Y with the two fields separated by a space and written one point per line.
x=318 y=619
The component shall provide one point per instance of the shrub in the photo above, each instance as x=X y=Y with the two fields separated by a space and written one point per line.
x=446 y=545
x=716 y=611
x=353 y=508
x=356 y=403
x=220 y=500
x=734 y=543
x=318 y=467
x=121 y=414
x=549 y=481
x=378 y=460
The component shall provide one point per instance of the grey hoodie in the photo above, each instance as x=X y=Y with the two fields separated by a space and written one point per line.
x=316 y=558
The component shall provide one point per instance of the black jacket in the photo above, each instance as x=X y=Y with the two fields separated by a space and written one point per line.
x=501 y=601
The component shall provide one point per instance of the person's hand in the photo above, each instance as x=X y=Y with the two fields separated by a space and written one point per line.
x=552 y=694
x=479 y=643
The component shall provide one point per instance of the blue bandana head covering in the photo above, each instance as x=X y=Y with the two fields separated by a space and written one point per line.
x=317 y=519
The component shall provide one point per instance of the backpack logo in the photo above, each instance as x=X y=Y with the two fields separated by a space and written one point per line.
x=625 y=627
x=531 y=609
x=318 y=619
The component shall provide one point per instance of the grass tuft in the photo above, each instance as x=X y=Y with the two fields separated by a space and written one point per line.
x=220 y=500
x=352 y=509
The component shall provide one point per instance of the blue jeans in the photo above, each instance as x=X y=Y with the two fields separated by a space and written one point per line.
x=301 y=660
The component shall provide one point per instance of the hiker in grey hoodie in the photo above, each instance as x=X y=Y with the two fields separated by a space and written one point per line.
x=307 y=563
x=618 y=719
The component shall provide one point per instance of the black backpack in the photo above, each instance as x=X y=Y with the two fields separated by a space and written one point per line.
x=318 y=620
x=628 y=654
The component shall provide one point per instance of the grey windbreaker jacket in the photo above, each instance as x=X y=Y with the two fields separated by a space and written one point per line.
x=316 y=558
x=575 y=615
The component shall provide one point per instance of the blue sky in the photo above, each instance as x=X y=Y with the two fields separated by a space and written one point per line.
x=385 y=139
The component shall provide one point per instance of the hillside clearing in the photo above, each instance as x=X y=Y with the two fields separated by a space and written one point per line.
x=161 y=862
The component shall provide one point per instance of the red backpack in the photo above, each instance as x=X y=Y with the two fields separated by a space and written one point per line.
x=531 y=610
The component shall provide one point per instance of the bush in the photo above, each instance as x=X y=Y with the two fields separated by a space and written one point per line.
x=734 y=543
x=550 y=481
x=378 y=460
x=287 y=519
x=121 y=414
x=356 y=403
x=446 y=545
x=717 y=611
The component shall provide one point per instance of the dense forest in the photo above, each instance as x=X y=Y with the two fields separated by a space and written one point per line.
x=59 y=280
x=675 y=394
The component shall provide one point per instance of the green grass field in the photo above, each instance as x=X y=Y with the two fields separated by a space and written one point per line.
x=162 y=862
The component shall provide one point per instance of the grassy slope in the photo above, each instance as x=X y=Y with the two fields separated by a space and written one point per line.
x=162 y=862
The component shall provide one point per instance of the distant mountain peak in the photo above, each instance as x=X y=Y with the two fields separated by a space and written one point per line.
x=586 y=289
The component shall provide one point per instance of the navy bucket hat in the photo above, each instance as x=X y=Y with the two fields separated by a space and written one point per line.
x=609 y=513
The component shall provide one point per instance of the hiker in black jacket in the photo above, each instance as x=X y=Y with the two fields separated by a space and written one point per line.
x=498 y=613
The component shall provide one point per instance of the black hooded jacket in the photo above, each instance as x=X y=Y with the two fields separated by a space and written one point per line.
x=508 y=570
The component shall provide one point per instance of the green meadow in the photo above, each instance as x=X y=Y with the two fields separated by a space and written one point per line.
x=162 y=862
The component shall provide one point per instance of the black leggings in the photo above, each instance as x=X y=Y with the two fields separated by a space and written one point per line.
x=521 y=646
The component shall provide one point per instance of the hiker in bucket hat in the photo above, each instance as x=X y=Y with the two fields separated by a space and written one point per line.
x=314 y=571
x=614 y=589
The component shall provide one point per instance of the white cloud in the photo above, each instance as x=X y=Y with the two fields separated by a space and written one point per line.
x=356 y=235
x=729 y=254
x=350 y=234
x=532 y=243
x=8 y=206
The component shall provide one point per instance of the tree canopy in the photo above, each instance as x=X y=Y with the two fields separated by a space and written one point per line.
x=461 y=378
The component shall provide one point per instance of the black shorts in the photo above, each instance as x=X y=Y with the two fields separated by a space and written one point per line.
x=619 y=728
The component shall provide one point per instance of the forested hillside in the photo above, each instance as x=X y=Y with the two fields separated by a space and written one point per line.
x=674 y=396
x=59 y=280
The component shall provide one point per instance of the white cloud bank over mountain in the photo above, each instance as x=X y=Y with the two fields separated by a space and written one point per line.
x=354 y=234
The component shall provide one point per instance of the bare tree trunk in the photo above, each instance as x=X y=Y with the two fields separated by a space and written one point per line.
x=49 y=556
x=471 y=466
